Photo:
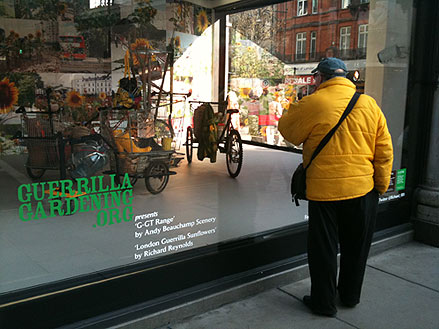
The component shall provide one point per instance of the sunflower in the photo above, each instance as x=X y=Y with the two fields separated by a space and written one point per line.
x=244 y=92
x=8 y=95
x=102 y=96
x=264 y=131
x=140 y=44
x=202 y=21
x=74 y=99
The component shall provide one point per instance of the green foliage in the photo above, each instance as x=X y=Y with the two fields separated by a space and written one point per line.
x=254 y=62
x=144 y=13
x=94 y=25
x=47 y=10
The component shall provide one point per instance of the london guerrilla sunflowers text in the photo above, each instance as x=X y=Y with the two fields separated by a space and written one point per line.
x=91 y=194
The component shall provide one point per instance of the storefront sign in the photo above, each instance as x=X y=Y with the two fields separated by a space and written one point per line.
x=397 y=183
x=397 y=180
x=400 y=180
x=300 y=80
x=306 y=68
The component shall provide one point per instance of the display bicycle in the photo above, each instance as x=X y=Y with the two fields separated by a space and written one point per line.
x=48 y=149
x=228 y=139
x=140 y=157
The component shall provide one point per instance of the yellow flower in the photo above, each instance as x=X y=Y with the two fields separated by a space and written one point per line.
x=244 y=92
x=264 y=131
x=74 y=99
x=8 y=95
x=140 y=44
x=239 y=44
x=202 y=21
x=249 y=48
x=102 y=96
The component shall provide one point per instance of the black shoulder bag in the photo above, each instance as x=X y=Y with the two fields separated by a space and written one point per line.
x=298 y=181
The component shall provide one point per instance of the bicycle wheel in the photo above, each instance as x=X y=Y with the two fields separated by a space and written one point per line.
x=234 y=153
x=189 y=144
x=156 y=177
x=35 y=173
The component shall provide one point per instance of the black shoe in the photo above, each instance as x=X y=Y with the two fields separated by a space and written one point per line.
x=308 y=303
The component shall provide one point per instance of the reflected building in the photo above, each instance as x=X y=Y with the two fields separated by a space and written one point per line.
x=315 y=29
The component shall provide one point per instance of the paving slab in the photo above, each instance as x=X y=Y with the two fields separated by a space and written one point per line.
x=387 y=302
x=271 y=309
x=399 y=292
x=413 y=261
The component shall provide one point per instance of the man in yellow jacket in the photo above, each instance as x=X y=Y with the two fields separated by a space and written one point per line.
x=342 y=183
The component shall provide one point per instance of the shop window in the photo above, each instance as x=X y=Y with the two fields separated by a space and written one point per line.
x=69 y=48
x=302 y=7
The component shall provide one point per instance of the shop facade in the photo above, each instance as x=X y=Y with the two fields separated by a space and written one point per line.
x=89 y=243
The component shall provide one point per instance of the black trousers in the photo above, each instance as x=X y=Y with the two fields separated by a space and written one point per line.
x=350 y=223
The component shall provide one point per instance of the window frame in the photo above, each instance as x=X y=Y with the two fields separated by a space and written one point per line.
x=315 y=6
x=363 y=33
x=302 y=42
x=304 y=7
x=344 y=35
x=313 y=40
x=345 y=4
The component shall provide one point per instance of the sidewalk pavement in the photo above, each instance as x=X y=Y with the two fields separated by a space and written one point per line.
x=401 y=290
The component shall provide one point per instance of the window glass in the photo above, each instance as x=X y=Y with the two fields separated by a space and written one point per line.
x=345 y=3
x=313 y=45
x=362 y=37
x=102 y=69
x=74 y=69
x=345 y=41
x=300 y=45
x=302 y=7
x=315 y=5
x=270 y=69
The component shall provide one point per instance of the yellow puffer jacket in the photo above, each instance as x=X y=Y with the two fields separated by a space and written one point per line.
x=357 y=158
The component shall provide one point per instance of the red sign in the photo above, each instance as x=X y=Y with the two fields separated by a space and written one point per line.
x=300 y=80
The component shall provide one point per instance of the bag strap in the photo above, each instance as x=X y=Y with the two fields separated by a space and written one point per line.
x=328 y=136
